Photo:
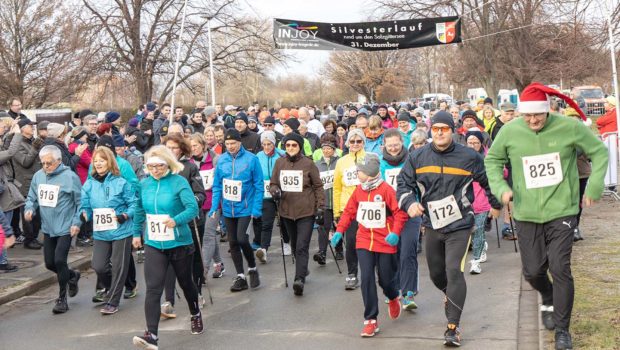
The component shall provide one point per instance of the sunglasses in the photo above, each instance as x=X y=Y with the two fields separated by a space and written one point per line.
x=442 y=128
x=291 y=145
x=356 y=142
x=267 y=125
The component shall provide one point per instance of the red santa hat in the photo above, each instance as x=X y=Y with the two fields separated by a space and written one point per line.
x=535 y=99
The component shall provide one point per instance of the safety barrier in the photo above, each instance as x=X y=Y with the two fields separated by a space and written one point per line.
x=610 y=139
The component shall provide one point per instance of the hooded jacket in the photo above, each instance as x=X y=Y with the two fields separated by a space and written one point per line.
x=250 y=141
x=373 y=239
x=25 y=162
x=56 y=221
x=114 y=193
x=208 y=162
x=245 y=167
x=345 y=179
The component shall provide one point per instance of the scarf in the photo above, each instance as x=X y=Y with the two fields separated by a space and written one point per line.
x=371 y=184
x=397 y=159
x=100 y=178
x=294 y=158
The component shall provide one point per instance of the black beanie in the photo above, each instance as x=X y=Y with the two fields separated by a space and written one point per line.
x=242 y=116
x=232 y=134
x=106 y=141
x=292 y=123
x=293 y=136
x=404 y=116
x=444 y=118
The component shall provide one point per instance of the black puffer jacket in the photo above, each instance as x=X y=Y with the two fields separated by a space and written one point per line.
x=436 y=174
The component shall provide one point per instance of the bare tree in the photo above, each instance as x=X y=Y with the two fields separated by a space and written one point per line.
x=46 y=54
x=141 y=37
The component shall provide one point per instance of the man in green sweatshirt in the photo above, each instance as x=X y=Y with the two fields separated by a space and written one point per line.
x=542 y=150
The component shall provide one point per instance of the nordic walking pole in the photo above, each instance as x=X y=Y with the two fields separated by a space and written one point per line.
x=497 y=231
x=514 y=233
x=202 y=259
x=321 y=230
x=281 y=241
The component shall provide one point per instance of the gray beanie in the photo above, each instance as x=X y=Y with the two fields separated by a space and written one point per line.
x=269 y=136
x=208 y=111
x=370 y=165
x=356 y=132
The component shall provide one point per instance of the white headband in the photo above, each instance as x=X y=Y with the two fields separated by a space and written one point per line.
x=155 y=160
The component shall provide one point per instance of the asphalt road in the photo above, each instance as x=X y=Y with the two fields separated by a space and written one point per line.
x=271 y=317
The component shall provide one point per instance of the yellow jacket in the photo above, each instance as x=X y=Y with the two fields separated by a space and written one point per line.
x=345 y=180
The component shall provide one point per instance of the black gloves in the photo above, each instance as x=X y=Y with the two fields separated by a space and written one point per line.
x=320 y=216
x=121 y=218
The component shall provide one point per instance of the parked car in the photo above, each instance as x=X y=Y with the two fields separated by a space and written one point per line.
x=593 y=97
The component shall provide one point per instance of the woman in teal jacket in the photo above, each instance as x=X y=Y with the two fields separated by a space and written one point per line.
x=165 y=206
x=109 y=202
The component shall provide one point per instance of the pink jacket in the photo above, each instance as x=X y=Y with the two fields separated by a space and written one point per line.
x=481 y=203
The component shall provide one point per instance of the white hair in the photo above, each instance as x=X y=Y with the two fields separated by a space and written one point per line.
x=51 y=149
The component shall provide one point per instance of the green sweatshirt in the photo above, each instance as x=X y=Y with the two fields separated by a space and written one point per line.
x=559 y=135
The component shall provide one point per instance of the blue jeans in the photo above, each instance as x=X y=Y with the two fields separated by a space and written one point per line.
x=479 y=237
x=408 y=275
x=3 y=256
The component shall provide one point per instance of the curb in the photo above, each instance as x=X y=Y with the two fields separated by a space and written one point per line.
x=39 y=282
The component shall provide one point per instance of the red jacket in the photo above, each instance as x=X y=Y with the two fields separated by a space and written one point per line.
x=607 y=123
x=374 y=239
x=84 y=163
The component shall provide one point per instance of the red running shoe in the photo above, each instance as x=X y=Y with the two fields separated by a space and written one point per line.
x=371 y=327
x=394 y=308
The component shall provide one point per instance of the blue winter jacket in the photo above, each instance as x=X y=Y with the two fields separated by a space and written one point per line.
x=126 y=170
x=244 y=167
x=267 y=162
x=57 y=221
x=374 y=146
x=114 y=193
x=169 y=195
x=407 y=135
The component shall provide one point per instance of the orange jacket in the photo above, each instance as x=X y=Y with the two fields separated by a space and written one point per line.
x=607 y=123
x=374 y=239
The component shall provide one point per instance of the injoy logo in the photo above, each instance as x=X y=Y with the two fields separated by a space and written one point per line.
x=295 y=31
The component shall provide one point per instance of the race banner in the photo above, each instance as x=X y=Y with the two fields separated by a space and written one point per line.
x=366 y=36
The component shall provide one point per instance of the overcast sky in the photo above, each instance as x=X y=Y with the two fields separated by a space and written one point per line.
x=310 y=10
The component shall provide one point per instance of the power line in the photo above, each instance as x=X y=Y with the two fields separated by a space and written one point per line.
x=500 y=32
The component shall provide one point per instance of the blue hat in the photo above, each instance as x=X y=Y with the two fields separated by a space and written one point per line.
x=111 y=116
x=118 y=140
x=150 y=106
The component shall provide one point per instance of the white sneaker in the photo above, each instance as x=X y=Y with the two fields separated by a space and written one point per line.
x=261 y=255
x=483 y=256
x=287 y=249
x=167 y=310
x=475 y=267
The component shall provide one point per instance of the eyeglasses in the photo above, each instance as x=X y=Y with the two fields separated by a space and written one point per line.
x=46 y=164
x=291 y=145
x=534 y=115
x=443 y=129
x=356 y=142
x=267 y=125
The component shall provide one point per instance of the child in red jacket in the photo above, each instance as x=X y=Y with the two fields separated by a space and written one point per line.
x=374 y=206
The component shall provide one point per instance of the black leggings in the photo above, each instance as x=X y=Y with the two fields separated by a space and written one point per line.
x=582 y=191
x=351 y=252
x=263 y=226
x=445 y=254
x=197 y=268
x=300 y=231
x=155 y=265
x=55 y=252
x=237 y=230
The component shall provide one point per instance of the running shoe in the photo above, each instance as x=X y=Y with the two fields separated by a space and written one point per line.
x=298 y=287
x=546 y=314
x=196 y=324
x=218 y=270
x=255 y=246
x=577 y=235
x=319 y=257
x=147 y=341
x=452 y=336
x=100 y=295
x=167 y=310
x=475 y=267
x=130 y=293
x=339 y=256
x=108 y=309
x=8 y=267
x=408 y=303
x=350 y=282
x=394 y=308
x=483 y=256
x=20 y=239
x=287 y=249
x=261 y=255
x=254 y=278
x=371 y=327
x=563 y=340
x=239 y=284
x=61 y=306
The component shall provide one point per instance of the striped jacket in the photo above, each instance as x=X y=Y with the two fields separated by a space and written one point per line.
x=440 y=174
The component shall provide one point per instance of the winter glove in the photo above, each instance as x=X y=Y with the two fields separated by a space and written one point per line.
x=37 y=143
x=121 y=218
x=336 y=238
x=392 y=239
x=320 y=217
x=276 y=194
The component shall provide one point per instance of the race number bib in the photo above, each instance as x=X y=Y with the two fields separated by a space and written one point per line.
x=157 y=230
x=207 y=178
x=327 y=178
x=371 y=214
x=104 y=219
x=48 y=195
x=391 y=175
x=350 y=176
x=267 y=193
x=292 y=180
x=444 y=212
x=542 y=171
x=232 y=190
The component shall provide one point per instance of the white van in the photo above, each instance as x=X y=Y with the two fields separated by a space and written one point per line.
x=475 y=94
